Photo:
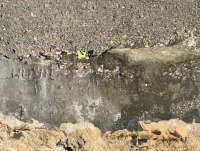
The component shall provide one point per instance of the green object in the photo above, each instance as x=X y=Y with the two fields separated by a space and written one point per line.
x=82 y=55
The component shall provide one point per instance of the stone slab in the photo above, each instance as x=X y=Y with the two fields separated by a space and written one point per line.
x=113 y=91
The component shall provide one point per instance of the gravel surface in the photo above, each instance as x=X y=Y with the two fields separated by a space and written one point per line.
x=31 y=28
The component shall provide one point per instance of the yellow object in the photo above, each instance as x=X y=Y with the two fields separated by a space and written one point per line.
x=82 y=55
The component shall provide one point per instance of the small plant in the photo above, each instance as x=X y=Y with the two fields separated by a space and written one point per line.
x=82 y=54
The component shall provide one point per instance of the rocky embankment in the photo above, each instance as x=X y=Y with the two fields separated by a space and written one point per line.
x=164 y=135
